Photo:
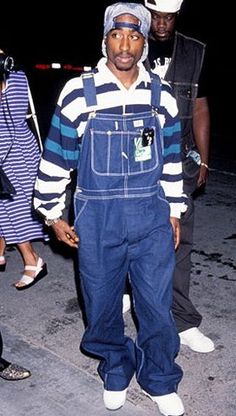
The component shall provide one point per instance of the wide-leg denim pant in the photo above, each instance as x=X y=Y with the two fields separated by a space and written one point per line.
x=120 y=236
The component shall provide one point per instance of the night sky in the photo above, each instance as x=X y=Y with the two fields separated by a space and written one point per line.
x=37 y=35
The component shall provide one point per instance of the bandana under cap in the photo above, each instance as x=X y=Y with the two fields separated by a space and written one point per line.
x=135 y=9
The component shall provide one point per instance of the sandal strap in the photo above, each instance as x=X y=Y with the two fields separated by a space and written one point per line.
x=36 y=268
x=32 y=268
x=26 y=279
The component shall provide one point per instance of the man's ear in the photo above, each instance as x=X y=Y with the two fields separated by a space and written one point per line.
x=104 y=47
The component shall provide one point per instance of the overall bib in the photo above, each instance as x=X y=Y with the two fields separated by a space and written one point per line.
x=122 y=220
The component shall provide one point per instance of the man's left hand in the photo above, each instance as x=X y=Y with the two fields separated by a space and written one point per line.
x=203 y=176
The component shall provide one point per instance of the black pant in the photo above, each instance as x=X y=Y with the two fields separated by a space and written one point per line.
x=185 y=314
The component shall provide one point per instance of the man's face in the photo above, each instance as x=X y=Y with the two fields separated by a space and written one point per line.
x=163 y=25
x=124 y=45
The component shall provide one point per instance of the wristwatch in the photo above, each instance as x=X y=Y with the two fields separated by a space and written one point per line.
x=50 y=222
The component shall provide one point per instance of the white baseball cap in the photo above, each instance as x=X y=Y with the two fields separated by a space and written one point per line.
x=166 y=6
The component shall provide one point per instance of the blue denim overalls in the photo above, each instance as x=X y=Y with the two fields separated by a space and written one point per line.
x=122 y=220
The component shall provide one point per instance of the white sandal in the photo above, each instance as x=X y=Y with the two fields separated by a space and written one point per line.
x=40 y=271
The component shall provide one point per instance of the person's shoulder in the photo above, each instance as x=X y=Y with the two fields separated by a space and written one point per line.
x=190 y=40
x=18 y=74
x=73 y=90
x=167 y=92
x=77 y=82
x=17 y=78
x=165 y=86
x=73 y=83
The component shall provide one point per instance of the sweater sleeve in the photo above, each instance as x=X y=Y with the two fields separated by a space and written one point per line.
x=60 y=157
x=172 y=175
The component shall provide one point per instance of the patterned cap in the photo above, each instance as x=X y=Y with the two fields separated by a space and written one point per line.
x=135 y=9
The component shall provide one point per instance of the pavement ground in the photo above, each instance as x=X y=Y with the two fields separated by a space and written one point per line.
x=42 y=327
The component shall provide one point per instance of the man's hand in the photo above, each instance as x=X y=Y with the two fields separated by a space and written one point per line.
x=203 y=176
x=65 y=233
x=175 y=222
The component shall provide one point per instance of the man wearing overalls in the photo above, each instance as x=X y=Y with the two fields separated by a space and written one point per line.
x=119 y=127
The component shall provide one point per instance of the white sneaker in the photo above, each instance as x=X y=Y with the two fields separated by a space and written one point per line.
x=169 y=404
x=196 y=340
x=126 y=303
x=114 y=400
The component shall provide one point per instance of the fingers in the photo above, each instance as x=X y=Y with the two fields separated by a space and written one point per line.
x=72 y=240
x=68 y=240
x=65 y=233
x=201 y=182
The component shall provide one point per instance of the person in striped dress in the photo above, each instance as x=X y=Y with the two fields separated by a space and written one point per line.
x=19 y=158
x=118 y=126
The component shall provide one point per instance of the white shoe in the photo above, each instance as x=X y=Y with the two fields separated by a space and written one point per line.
x=169 y=404
x=126 y=303
x=114 y=400
x=196 y=341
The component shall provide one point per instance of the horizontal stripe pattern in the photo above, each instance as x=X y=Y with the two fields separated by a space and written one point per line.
x=19 y=222
x=62 y=146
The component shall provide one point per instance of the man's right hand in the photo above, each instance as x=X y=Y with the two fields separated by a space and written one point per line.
x=65 y=233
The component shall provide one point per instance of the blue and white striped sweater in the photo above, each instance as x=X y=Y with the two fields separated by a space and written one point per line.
x=62 y=146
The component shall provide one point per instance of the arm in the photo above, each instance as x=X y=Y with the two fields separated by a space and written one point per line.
x=201 y=130
x=175 y=222
x=171 y=179
x=59 y=158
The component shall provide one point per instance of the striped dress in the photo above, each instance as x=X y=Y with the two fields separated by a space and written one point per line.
x=20 y=154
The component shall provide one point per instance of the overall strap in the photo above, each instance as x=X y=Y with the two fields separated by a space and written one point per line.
x=156 y=90
x=89 y=88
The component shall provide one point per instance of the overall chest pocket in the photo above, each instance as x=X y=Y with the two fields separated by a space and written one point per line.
x=120 y=153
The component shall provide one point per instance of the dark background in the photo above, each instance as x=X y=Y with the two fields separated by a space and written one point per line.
x=67 y=34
